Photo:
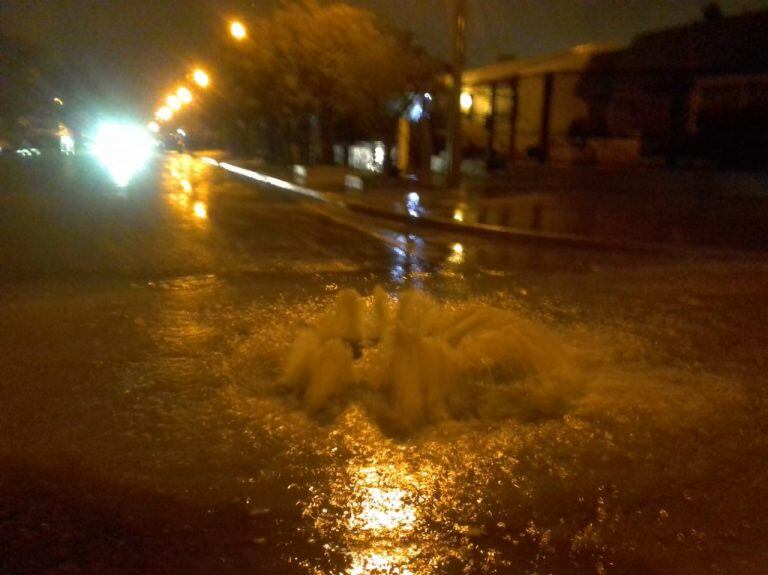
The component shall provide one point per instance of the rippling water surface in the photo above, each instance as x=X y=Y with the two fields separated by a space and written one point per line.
x=526 y=412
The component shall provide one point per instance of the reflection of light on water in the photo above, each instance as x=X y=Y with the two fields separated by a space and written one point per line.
x=376 y=514
x=189 y=198
x=382 y=513
x=123 y=149
x=457 y=254
x=381 y=494
x=381 y=508
x=412 y=204
x=407 y=264
x=461 y=212
x=200 y=210
x=382 y=561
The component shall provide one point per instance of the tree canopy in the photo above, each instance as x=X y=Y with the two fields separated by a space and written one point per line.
x=328 y=63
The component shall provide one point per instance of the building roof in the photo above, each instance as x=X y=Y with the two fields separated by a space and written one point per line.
x=725 y=44
x=573 y=60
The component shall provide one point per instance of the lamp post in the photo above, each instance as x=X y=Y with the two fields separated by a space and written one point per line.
x=453 y=175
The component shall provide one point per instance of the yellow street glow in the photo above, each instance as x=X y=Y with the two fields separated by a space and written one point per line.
x=201 y=78
x=173 y=102
x=237 y=30
x=200 y=210
x=466 y=101
x=184 y=95
x=164 y=114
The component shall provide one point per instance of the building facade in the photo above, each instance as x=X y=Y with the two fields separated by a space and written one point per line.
x=696 y=92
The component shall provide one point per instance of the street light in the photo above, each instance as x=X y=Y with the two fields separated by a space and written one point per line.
x=173 y=102
x=184 y=95
x=201 y=78
x=164 y=114
x=237 y=30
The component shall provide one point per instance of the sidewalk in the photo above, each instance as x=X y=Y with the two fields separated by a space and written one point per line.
x=645 y=209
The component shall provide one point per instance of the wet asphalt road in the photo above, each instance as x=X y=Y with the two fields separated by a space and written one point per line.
x=143 y=330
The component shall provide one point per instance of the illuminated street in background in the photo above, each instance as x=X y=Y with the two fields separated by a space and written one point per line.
x=541 y=410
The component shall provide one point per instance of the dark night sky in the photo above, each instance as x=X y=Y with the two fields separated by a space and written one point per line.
x=140 y=46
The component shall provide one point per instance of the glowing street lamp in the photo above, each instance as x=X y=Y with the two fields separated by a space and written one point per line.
x=184 y=95
x=237 y=30
x=173 y=102
x=164 y=114
x=201 y=78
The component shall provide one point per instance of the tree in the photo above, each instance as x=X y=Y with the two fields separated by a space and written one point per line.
x=20 y=82
x=327 y=71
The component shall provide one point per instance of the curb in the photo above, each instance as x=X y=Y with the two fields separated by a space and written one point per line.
x=485 y=230
x=514 y=234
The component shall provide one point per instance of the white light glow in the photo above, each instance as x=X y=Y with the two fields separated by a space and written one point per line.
x=412 y=204
x=184 y=95
x=271 y=180
x=164 y=114
x=457 y=254
x=181 y=132
x=200 y=210
x=173 y=101
x=379 y=155
x=153 y=127
x=201 y=78
x=416 y=112
x=66 y=145
x=123 y=149
x=466 y=102
x=237 y=30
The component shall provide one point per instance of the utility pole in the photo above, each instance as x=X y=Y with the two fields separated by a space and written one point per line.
x=454 y=119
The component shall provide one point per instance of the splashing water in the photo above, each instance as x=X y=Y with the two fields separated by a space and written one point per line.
x=422 y=361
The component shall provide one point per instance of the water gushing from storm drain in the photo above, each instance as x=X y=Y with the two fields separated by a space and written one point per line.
x=421 y=360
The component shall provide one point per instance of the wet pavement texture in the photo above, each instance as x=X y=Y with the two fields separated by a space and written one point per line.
x=675 y=208
x=146 y=426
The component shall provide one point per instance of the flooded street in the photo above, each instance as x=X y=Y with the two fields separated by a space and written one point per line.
x=189 y=386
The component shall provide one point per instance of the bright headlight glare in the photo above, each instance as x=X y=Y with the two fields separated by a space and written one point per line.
x=123 y=149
